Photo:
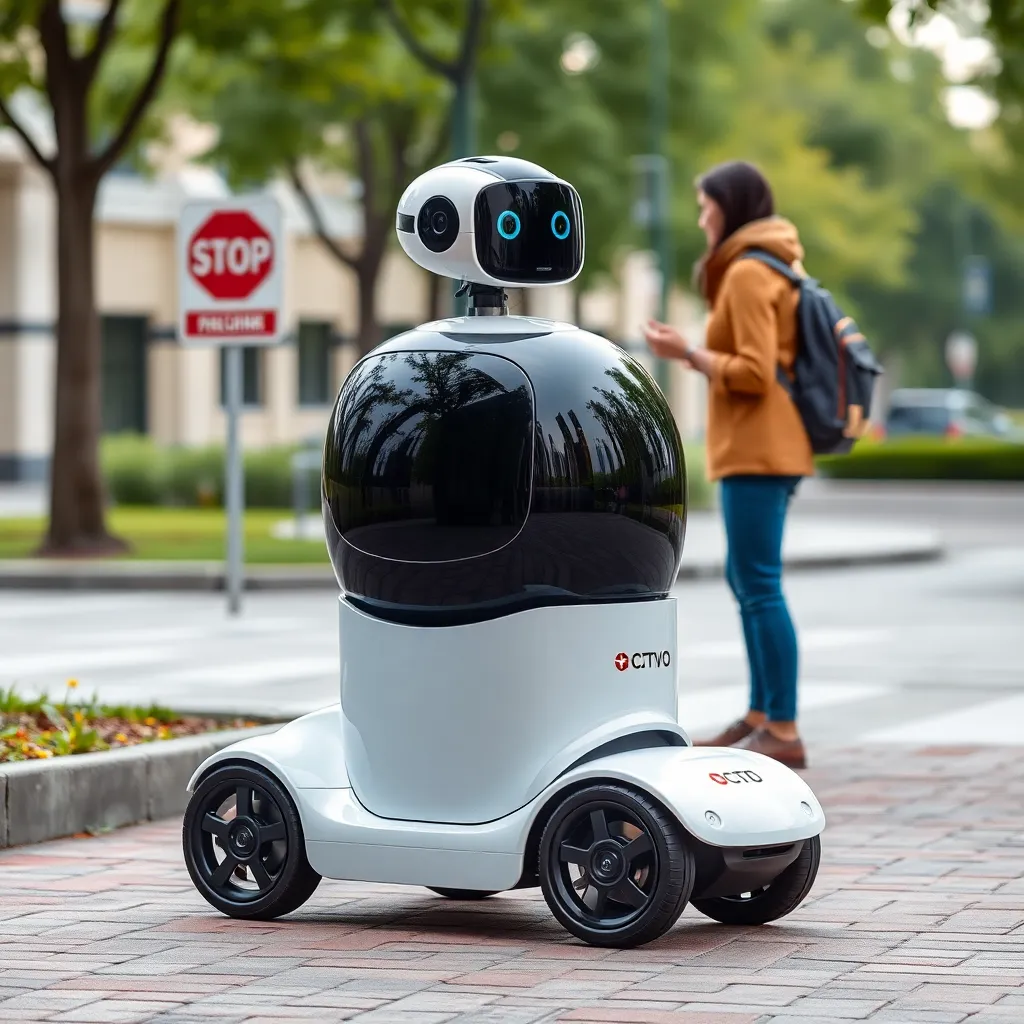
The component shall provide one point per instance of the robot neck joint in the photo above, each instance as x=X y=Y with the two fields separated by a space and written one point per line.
x=485 y=299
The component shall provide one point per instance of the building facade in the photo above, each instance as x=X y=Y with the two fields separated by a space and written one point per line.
x=152 y=385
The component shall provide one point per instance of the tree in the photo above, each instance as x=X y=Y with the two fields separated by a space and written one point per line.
x=458 y=70
x=323 y=97
x=69 y=74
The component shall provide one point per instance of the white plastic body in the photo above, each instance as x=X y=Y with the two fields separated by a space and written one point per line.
x=452 y=744
x=466 y=724
x=461 y=183
x=344 y=840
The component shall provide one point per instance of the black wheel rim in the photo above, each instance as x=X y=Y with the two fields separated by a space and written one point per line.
x=239 y=841
x=604 y=865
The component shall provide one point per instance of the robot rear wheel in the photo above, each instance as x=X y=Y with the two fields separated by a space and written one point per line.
x=614 y=867
x=777 y=899
x=243 y=844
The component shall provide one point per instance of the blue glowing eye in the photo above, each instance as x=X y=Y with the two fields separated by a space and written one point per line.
x=560 y=225
x=508 y=224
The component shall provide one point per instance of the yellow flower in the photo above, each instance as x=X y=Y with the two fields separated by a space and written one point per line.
x=121 y=738
x=79 y=717
x=72 y=684
x=42 y=754
x=151 y=721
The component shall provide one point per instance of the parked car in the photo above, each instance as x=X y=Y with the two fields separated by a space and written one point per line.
x=944 y=412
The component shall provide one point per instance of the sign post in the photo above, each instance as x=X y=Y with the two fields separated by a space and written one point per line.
x=230 y=289
x=962 y=357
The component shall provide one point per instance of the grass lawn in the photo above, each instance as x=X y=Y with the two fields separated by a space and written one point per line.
x=185 y=534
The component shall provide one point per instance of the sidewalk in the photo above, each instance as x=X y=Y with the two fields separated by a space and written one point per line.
x=917 y=916
x=812 y=542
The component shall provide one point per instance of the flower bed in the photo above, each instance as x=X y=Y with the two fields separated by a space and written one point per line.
x=36 y=729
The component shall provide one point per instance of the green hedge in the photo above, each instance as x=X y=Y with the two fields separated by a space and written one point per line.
x=928 y=459
x=138 y=472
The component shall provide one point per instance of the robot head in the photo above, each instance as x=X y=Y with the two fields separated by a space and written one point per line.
x=493 y=221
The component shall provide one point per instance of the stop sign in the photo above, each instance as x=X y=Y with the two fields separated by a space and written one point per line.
x=230 y=255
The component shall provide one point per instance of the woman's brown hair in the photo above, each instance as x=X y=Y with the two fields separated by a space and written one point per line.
x=743 y=194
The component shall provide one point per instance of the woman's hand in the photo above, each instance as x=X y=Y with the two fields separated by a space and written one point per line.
x=666 y=342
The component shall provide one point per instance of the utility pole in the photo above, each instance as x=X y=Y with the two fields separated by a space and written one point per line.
x=660 y=226
x=463 y=144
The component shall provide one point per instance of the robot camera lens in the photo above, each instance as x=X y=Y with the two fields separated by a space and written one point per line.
x=560 y=225
x=508 y=224
x=438 y=224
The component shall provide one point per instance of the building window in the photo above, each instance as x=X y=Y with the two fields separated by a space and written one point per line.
x=123 y=373
x=252 y=376
x=314 y=344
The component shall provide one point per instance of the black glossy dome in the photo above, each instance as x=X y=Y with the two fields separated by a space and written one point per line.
x=471 y=475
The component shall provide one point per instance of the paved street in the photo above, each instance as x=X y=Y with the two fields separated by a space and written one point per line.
x=912 y=700
x=921 y=653
x=917 y=916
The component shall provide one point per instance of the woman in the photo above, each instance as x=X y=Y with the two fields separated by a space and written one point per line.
x=756 y=443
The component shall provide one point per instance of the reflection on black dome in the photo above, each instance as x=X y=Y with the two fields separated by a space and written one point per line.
x=431 y=456
x=459 y=485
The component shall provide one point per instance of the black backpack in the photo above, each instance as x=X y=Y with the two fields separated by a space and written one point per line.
x=835 y=369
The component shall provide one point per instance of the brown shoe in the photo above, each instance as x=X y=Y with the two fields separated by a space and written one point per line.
x=739 y=730
x=788 y=752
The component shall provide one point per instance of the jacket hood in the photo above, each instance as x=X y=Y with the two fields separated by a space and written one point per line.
x=774 y=235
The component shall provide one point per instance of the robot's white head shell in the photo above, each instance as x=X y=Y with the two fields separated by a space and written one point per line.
x=495 y=221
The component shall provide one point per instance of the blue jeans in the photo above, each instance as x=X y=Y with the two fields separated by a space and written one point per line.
x=754 y=509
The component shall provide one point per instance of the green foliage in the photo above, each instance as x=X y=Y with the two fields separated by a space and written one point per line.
x=39 y=728
x=139 y=472
x=587 y=126
x=929 y=459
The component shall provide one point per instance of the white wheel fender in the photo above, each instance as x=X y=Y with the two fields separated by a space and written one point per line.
x=721 y=796
x=304 y=754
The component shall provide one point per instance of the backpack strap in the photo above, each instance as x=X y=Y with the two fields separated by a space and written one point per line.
x=790 y=275
x=775 y=263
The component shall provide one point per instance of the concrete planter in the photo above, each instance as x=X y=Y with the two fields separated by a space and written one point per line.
x=62 y=796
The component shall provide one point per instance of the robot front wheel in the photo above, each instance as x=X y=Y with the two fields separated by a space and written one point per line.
x=614 y=866
x=243 y=845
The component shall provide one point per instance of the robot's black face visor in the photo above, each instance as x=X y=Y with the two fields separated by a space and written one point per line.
x=529 y=231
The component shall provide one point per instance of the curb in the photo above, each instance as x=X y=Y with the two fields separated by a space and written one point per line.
x=65 y=796
x=209 y=577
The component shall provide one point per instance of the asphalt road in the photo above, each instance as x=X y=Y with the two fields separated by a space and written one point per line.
x=927 y=653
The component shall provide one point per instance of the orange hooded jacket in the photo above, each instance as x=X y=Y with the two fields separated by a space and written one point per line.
x=753 y=426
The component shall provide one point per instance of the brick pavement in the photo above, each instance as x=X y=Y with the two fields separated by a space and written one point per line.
x=917 y=916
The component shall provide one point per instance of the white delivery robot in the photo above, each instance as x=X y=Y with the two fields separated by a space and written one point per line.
x=505 y=503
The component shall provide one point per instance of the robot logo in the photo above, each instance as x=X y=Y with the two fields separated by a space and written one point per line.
x=647 y=659
x=744 y=776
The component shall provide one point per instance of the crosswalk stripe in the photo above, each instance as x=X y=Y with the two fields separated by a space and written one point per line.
x=993 y=723
x=712 y=709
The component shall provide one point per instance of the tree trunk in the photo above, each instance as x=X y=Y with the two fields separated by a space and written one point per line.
x=438 y=294
x=77 y=522
x=368 y=335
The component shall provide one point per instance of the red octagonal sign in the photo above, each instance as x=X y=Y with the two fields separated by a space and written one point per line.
x=230 y=255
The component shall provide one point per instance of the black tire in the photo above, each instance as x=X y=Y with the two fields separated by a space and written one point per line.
x=463 y=894
x=775 y=900
x=635 y=872
x=241 y=815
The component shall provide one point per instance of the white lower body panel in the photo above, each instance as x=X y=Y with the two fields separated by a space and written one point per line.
x=725 y=799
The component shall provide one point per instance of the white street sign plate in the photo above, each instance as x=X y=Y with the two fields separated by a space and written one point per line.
x=230 y=272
